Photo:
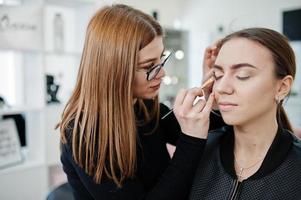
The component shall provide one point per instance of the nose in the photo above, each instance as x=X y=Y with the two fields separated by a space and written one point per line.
x=161 y=73
x=223 y=85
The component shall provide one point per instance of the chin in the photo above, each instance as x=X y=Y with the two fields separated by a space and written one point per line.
x=149 y=96
x=231 y=120
x=152 y=95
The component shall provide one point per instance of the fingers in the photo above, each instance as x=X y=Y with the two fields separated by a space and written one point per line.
x=192 y=116
x=207 y=86
x=190 y=97
x=204 y=106
x=210 y=55
x=208 y=107
x=199 y=105
x=207 y=75
x=211 y=51
x=208 y=82
x=199 y=97
x=180 y=98
x=191 y=100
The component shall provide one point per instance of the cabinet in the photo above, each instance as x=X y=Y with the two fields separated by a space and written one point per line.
x=35 y=41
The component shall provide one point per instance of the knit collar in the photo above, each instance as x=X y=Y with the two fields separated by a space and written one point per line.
x=275 y=156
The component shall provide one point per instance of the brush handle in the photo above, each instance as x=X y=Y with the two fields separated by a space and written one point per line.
x=167 y=114
x=210 y=80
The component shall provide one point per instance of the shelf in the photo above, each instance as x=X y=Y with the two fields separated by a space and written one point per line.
x=21 y=50
x=64 y=53
x=27 y=163
x=52 y=53
x=20 y=109
x=42 y=148
x=71 y=3
x=21 y=166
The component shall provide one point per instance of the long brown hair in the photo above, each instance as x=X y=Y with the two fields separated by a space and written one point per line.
x=100 y=111
x=283 y=57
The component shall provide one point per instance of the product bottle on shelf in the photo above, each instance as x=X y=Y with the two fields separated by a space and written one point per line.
x=58 y=36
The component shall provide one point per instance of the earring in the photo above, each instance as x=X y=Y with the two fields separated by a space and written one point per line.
x=277 y=100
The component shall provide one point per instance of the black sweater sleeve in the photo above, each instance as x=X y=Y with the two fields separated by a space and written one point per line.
x=172 y=129
x=175 y=182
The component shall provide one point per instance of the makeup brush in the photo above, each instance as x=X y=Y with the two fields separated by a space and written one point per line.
x=210 y=80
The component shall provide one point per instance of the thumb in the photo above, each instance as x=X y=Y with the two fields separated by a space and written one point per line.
x=208 y=107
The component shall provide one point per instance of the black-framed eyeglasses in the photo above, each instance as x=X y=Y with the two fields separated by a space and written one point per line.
x=154 y=71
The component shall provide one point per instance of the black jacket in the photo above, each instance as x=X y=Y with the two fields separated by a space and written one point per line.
x=157 y=176
x=278 y=178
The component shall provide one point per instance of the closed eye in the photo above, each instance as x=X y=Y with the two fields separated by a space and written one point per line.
x=150 y=66
x=147 y=67
x=242 y=77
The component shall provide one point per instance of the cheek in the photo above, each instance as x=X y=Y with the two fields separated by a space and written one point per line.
x=214 y=89
x=260 y=93
x=139 y=85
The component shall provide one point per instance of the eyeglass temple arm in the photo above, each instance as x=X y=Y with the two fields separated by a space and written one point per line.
x=166 y=59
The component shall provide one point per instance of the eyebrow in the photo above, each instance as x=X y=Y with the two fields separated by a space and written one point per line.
x=150 y=59
x=236 y=66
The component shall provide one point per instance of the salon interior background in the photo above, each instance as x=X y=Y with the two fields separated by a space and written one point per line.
x=40 y=48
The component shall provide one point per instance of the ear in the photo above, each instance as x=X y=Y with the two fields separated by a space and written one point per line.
x=284 y=87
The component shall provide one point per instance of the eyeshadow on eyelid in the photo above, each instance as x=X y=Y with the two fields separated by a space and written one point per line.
x=243 y=74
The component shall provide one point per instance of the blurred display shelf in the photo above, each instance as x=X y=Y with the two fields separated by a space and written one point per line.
x=63 y=53
x=20 y=109
x=55 y=53
x=26 y=163
x=52 y=116
x=21 y=50
x=71 y=3
x=30 y=67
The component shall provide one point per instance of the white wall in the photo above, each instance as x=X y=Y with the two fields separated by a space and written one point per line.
x=169 y=10
x=202 y=17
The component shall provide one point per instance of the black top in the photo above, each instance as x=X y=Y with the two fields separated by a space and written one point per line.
x=157 y=176
x=278 y=178
x=277 y=152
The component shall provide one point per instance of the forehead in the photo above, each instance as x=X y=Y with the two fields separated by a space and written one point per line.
x=152 y=50
x=241 y=50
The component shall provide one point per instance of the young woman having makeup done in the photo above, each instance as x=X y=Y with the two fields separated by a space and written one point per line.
x=256 y=156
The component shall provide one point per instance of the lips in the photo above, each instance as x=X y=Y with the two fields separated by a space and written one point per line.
x=226 y=106
x=156 y=86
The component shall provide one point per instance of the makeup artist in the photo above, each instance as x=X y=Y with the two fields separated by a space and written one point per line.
x=113 y=140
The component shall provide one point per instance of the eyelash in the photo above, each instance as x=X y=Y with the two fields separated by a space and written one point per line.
x=152 y=64
x=215 y=77
x=149 y=66
x=243 y=78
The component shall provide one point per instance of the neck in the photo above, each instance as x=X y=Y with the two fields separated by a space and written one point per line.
x=253 y=140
